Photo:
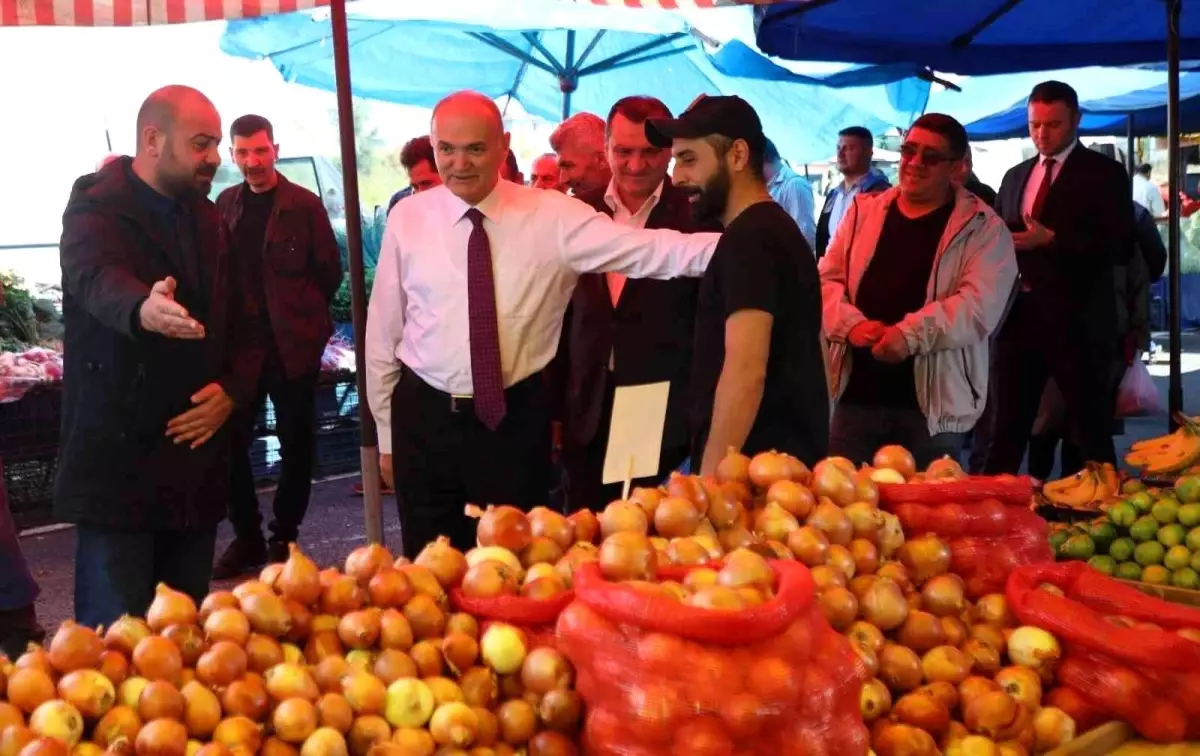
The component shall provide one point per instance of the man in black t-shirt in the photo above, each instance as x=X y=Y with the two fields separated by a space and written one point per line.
x=758 y=378
x=914 y=282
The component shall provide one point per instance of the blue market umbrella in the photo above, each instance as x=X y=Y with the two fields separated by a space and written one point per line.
x=555 y=71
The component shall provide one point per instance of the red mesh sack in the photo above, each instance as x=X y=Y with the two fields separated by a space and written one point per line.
x=984 y=563
x=1009 y=490
x=1147 y=674
x=660 y=678
x=536 y=617
x=987 y=517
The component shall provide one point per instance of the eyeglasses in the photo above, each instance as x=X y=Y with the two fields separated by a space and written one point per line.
x=927 y=158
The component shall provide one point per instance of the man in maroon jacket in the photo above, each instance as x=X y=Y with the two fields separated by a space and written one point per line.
x=282 y=232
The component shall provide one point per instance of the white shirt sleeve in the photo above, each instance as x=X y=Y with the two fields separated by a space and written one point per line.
x=385 y=322
x=590 y=242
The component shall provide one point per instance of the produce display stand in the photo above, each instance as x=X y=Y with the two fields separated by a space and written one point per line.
x=1119 y=739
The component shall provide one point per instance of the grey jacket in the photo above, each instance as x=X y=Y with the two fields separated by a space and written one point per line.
x=966 y=300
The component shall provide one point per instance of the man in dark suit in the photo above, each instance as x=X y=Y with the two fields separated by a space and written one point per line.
x=281 y=232
x=626 y=332
x=161 y=344
x=1069 y=209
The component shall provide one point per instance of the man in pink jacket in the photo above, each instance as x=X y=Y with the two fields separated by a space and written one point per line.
x=914 y=282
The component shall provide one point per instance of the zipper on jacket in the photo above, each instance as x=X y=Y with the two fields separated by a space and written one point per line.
x=970 y=383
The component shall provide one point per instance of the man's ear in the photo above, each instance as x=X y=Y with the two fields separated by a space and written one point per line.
x=739 y=155
x=507 y=141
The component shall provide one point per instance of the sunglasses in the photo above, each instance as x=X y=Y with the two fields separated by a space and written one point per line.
x=927 y=158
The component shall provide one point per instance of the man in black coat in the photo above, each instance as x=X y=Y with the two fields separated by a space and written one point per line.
x=161 y=343
x=627 y=332
x=1069 y=209
x=281 y=232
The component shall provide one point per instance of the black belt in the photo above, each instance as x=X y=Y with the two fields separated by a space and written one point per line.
x=458 y=403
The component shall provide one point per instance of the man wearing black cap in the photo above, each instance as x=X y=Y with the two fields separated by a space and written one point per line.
x=758 y=376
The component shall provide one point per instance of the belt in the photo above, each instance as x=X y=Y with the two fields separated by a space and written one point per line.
x=463 y=403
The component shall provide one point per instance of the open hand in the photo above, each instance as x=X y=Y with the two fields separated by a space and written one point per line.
x=866 y=333
x=160 y=313
x=197 y=425
x=892 y=347
x=1035 y=235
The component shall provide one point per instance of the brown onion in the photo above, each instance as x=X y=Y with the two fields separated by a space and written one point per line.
x=586 y=524
x=365 y=561
x=628 y=555
x=623 y=516
x=447 y=563
x=504 y=526
x=546 y=523
x=676 y=517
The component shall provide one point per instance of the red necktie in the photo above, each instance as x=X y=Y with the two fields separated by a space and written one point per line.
x=486 y=375
x=1039 y=199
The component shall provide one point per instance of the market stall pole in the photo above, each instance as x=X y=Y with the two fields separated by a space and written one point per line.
x=1174 y=183
x=368 y=439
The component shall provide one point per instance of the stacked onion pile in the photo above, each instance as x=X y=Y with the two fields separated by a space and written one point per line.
x=300 y=661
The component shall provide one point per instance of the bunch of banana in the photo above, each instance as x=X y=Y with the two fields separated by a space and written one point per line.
x=1086 y=489
x=1170 y=454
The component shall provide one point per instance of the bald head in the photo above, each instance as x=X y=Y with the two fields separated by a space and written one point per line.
x=469 y=144
x=179 y=131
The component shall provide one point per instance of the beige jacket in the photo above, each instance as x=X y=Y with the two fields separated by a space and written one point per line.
x=966 y=299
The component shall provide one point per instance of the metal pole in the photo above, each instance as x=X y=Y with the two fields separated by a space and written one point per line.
x=1175 y=392
x=568 y=80
x=372 y=497
x=1130 y=158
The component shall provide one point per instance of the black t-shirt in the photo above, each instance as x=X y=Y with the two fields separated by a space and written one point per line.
x=249 y=239
x=763 y=263
x=893 y=286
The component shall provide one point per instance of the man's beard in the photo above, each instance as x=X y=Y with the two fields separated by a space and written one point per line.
x=712 y=198
x=185 y=182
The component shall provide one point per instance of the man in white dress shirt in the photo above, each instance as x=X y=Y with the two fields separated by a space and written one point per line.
x=473 y=281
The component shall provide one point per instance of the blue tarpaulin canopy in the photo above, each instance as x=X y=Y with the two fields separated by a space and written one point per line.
x=417 y=62
x=976 y=36
x=1143 y=110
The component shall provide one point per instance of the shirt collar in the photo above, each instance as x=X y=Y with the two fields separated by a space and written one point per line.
x=613 y=199
x=490 y=206
x=1059 y=157
x=859 y=183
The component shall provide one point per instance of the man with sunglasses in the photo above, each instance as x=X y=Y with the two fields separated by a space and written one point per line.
x=914 y=282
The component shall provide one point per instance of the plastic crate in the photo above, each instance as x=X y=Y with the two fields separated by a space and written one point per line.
x=336 y=405
x=336 y=451
x=29 y=431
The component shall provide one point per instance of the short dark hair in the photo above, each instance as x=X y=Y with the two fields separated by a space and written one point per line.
x=638 y=109
x=511 y=163
x=860 y=132
x=721 y=144
x=1145 y=169
x=771 y=153
x=419 y=150
x=946 y=127
x=249 y=125
x=1055 y=91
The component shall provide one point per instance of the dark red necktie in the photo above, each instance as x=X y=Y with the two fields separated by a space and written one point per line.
x=487 y=377
x=1039 y=199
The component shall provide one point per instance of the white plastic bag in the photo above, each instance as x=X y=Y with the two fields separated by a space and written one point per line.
x=1137 y=395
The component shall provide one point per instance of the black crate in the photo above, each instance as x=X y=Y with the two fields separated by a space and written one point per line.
x=29 y=430
x=336 y=405
x=337 y=452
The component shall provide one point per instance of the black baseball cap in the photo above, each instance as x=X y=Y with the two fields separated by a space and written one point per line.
x=727 y=115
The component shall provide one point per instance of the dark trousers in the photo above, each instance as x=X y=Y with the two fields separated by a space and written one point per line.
x=444 y=458
x=294 y=400
x=857 y=431
x=17 y=586
x=116 y=571
x=1028 y=354
x=585 y=464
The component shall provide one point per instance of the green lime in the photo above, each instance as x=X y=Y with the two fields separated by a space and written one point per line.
x=1121 y=549
x=1141 y=501
x=1192 y=539
x=1079 y=547
x=1189 y=515
x=1156 y=575
x=1103 y=563
x=1177 y=557
x=1123 y=514
x=1103 y=533
x=1171 y=535
x=1132 y=486
x=1187 y=489
x=1129 y=571
x=1057 y=539
x=1186 y=578
x=1148 y=553
x=1195 y=565
x=1166 y=511
x=1144 y=529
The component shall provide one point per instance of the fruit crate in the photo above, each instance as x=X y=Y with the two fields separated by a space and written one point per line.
x=1119 y=739
x=337 y=446
x=29 y=430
